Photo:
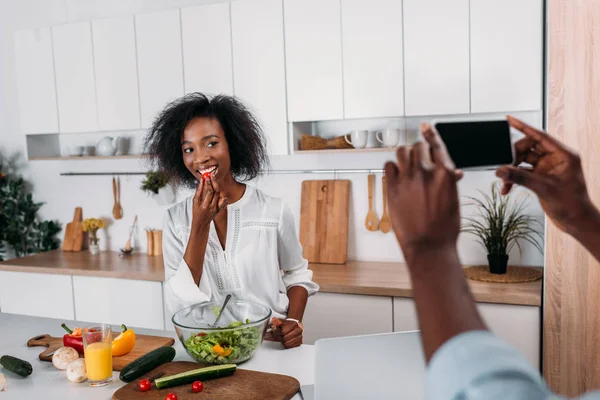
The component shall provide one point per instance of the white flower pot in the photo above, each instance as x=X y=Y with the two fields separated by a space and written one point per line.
x=165 y=196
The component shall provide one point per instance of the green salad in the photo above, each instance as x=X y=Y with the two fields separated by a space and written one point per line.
x=224 y=347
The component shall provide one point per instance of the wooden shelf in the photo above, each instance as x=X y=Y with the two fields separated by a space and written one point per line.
x=129 y=156
x=333 y=151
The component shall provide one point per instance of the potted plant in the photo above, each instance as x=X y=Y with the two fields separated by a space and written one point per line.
x=156 y=183
x=499 y=226
x=92 y=225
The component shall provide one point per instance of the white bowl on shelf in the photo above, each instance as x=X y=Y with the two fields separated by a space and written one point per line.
x=75 y=151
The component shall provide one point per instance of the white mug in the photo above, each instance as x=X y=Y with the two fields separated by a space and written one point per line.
x=359 y=139
x=389 y=137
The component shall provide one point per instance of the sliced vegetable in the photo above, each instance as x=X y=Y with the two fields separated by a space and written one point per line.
x=147 y=363
x=73 y=339
x=63 y=357
x=144 y=385
x=214 y=372
x=171 y=396
x=197 y=387
x=76 y=371
x=16 y=365
x=123 y=343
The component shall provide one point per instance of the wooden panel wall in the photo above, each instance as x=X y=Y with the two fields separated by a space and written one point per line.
x=572 y=282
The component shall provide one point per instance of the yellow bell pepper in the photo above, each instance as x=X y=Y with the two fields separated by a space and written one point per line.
x=221 y=351
x=123 y=343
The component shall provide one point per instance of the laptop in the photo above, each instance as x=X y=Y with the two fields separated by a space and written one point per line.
x=382 y=366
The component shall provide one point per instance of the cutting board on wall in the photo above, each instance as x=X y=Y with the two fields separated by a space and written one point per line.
x=324 y=221
x=242 y=385
x=74 y=232
x=143 y=344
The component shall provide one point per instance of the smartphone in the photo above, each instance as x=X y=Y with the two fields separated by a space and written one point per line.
x=477 y=144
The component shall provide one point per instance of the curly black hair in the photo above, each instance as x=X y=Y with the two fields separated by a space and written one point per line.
x=245 y=137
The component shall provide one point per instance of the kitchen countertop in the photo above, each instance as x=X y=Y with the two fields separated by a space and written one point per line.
x=355 y=277
x=47 y=382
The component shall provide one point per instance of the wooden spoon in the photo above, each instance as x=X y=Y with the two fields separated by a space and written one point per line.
x=384 y=224
x=371 y=222
x=128 y=244
x=117 y=210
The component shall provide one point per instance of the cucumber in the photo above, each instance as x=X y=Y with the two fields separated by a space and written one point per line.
x=147 y=363
x=16 y=365
x=201 y=374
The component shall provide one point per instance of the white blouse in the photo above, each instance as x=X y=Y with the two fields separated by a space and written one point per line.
x=261 y=261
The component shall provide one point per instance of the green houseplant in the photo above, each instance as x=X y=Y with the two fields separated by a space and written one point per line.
x=20 y=228
x=156 y=183
x=499 y=225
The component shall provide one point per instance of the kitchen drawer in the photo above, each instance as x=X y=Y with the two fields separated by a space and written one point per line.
x=39 y=295
x=336 y=315
x=119 y=301
x=519 y=326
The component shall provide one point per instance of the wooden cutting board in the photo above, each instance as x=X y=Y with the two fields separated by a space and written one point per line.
x=242 y=385
x=324 y=221
x=74 y=232
x=143 y=344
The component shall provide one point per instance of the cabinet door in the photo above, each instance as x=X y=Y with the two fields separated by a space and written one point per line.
x=313 y=57
x=372 y=54
x=116 y=74
x=114 y=301
x=75 y=83
x=259 y=65
x=35 y=81
x=206 y=36
x=337 y=315
x=158 y=39
x=506 y=55
x=39 y=295
x=436 y=56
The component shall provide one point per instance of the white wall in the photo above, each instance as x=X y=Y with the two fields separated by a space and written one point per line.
x=94 y=194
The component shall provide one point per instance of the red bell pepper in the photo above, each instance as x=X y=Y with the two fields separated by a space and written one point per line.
x=71 y=340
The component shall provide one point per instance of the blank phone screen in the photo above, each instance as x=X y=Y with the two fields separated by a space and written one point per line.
x=477 y=143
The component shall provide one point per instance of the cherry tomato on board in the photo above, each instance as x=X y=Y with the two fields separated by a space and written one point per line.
x=144 y=385
x=197 y=387
x=171 y=396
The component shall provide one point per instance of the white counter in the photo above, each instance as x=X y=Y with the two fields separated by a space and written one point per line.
x=46 y=382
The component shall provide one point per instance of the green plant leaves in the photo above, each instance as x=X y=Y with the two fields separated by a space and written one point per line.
x=154 y=181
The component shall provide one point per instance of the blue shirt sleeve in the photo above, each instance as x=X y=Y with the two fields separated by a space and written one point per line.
x=478 y=365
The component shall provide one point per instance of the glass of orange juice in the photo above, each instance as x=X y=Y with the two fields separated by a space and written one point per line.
x=97 y=348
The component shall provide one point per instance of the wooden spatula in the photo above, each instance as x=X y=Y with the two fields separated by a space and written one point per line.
x=74 y=232
x=384 y=224
x=371 y=222
x=117 y=210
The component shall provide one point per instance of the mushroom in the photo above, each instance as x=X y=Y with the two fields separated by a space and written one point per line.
x=76 y=371
x=63 y=357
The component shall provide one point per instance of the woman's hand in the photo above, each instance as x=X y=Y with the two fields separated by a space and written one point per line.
x=289 y=332
x=207 y=203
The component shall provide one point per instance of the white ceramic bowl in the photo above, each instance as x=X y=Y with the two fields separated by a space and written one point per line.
x=75 y=151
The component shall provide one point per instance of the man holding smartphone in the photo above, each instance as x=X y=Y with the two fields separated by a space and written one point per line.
x=465 y=361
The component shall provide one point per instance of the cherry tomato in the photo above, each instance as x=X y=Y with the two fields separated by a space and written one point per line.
x=171 y=396
x=144 y=385
x=206 y=176
x=197 y=387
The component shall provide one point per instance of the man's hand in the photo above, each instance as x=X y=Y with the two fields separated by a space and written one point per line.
x=423 y=198
x=556 y=177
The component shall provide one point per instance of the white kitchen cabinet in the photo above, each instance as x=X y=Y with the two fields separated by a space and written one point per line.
x=39 y=295
x=436 y=57
x=372 y=58
x=337 y=315
x=35 y=81
x=159 y=60
x=506 y=58
x=116 y=73
x=75 y=82
x=206 y=38
x=118 y=301
x=519 y=326
x=259 y=66
x=313 y=57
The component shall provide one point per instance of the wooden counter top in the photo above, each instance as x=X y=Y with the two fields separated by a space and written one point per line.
x=106 y=264
x=392 y=279
x=356 y=277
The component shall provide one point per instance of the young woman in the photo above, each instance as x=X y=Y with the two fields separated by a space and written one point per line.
x=229 y=237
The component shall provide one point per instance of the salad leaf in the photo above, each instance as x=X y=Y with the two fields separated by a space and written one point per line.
x=238 y=344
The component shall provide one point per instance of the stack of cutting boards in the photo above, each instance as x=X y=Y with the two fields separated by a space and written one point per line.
x=324 y=221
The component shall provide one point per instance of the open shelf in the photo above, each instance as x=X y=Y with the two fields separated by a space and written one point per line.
x=330 y=151
x=129 y=156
